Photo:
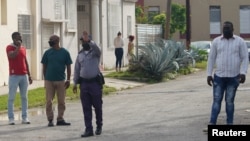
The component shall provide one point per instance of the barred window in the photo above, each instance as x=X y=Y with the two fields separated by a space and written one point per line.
x=71 y=15
x=215 y=20
x=24 y=27
x=245 y=19
x=59 y=9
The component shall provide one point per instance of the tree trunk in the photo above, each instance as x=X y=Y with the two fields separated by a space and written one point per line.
x=168 y=17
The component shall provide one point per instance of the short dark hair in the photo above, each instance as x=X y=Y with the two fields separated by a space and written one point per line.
x=119 y=33
x=229 y=23
x=14 y=34
x=131 y=37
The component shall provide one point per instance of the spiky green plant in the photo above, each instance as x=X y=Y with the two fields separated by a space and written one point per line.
x=198 y=54
x=163 y=56
x=183 y=57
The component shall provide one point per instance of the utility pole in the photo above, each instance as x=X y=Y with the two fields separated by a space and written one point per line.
x=168 y=17
x=188 y=26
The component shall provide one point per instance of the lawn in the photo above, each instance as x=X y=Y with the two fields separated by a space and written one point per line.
x=36 y=98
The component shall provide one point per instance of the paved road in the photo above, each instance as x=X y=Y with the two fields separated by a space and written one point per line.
x=176 y=110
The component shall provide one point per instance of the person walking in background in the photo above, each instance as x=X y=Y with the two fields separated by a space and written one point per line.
x=118 y=43
x=229 y=56
x=131 y=47
x=55 y=60
x=87 y=74
x=19 y=76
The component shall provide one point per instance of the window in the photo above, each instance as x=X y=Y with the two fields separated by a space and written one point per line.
x=153 y=11
x=48 y=30
x=245 y=21
x=129 y=25
x=71 y=15
x=24 y=27
x=59 y=9
x=114 y=20
x=215 y=21
x=3 y=12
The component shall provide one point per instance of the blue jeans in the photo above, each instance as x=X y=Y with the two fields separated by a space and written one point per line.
x=118 y=55
x=22 y=82
x=221 y=85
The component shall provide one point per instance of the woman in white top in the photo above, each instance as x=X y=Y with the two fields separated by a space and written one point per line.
x=118 y=43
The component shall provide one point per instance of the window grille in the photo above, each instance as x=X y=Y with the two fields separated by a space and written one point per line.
x=245 y=19
x=215 y=20
x=24 y=27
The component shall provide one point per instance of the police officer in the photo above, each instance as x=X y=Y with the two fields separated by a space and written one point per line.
x=86 y=73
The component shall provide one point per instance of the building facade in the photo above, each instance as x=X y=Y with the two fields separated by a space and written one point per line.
x=37 y=20
x=207 y=16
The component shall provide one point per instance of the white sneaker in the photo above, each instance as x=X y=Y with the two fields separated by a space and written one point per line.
x=11 y=122
x=25 y=121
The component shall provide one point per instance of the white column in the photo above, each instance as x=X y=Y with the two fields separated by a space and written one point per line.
x=95 y=24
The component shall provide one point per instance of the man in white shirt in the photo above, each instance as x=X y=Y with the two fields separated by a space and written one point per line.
x=228 y=62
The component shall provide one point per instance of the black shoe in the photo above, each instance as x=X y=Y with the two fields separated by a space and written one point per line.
x=62 y=123
x=50 y=124
x=87 y=134
x=98 y=131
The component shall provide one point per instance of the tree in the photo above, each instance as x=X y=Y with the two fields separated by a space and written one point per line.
x=178 y=19
x=168 y=19
x=140 y=16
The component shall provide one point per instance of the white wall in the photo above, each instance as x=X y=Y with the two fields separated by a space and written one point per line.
x=69 y=39
x=108 y=52
x=34 y=55
x=129 y=10
x=6 y=31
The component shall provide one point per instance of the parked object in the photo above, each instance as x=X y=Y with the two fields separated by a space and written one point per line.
x=248 y=48
x=203 y=45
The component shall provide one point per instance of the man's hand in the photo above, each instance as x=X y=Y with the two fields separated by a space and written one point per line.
x=74 y=89
x=30 y=80
x=210 y=80
x=67 y=83
x=242 y=78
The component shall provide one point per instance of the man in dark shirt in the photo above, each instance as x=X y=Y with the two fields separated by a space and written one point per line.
x=55 y=60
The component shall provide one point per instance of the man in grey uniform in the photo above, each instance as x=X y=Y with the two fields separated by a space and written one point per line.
x=86 y=74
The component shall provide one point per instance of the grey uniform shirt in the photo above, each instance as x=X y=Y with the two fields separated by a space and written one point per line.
x=87 y=63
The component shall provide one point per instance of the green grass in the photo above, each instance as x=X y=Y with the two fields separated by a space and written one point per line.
x=132 y=76
x=201 y=65
x=36 y=97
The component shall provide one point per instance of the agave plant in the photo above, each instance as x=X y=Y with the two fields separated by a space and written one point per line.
x=183 y=57
x=161 y=57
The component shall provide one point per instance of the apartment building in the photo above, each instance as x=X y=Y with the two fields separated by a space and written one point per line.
x=37 y=20
x=207 y=16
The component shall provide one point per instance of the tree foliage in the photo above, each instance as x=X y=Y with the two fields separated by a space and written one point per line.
x=140 y=15
x=178 y=19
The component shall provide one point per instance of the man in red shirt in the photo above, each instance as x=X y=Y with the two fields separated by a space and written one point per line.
x=19 y=76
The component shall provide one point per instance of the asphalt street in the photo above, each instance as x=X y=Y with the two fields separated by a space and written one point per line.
x=177 y=110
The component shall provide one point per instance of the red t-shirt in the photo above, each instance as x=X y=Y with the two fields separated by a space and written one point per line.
x=17 y=65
